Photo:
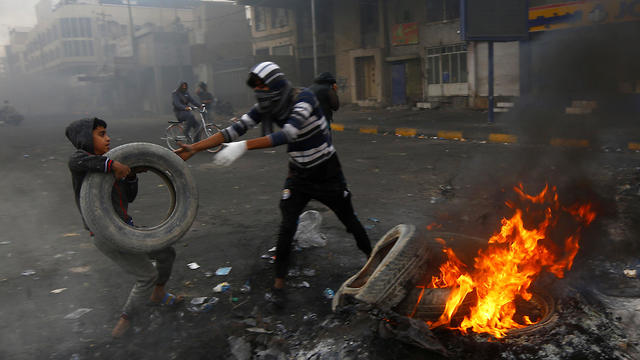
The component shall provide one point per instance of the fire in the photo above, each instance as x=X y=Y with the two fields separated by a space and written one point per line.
x=513 y=259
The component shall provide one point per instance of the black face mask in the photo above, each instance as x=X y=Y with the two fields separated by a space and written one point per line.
x=267 y=99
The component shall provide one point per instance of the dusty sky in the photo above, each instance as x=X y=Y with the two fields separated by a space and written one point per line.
x=15 y=13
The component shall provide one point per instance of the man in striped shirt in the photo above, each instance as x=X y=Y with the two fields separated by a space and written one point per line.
x=314 y=168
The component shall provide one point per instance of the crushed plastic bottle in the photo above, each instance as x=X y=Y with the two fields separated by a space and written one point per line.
x=308 y=272
x=328 y=293
x=222 y=287
x=208 y=306
x=245 y=288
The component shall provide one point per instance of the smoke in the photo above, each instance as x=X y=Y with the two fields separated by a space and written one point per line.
x=596 y=64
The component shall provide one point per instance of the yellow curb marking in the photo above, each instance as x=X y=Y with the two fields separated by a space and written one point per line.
x=503 y=138
x=569 y=142
x=369 y=130
x=406 y=132
x=634 y=146
x=451 y=135
x=337 y=127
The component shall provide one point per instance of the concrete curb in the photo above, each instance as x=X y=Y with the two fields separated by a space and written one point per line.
x=499 y=138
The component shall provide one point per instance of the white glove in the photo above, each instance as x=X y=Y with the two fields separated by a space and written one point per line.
x=230 y=153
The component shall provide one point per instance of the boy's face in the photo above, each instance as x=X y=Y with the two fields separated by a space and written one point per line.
x=100 y=140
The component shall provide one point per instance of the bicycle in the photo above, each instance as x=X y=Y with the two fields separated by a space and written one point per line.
x=175 y=132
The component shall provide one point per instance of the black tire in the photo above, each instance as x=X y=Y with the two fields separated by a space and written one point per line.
x=101 y=218
x=175 y=134
x=382 y=281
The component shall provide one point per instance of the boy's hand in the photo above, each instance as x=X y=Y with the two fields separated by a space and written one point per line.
x=185 y=152
x=120 y=170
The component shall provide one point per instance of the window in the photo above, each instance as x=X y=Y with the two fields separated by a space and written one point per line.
x=75 y=29
x=442 y=10
x=262 y=52
x=369 y=24
x=279 y=18
x=260 y=18
x=85 y=27
x=282 y=50
x=404 y=11
x=90 y=45
x=447 y=64
x=65 y=28
x=67 y=49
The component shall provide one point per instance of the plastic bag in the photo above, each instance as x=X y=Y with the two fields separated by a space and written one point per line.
x=308 y=233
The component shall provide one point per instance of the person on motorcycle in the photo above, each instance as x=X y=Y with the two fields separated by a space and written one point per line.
x=182 y=102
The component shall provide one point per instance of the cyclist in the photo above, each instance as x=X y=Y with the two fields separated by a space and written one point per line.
x=206 y=98
x=182 y=102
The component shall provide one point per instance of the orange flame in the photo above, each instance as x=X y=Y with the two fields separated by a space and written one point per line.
x=513 y=259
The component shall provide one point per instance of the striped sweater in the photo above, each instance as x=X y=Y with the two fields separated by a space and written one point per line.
x=305 y=131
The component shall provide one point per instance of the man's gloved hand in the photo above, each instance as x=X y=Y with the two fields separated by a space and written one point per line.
x=230 y=153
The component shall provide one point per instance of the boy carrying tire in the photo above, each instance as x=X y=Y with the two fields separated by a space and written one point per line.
x=90 y=138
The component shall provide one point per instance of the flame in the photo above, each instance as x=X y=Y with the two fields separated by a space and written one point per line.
x=513 y=259
x=433 y=225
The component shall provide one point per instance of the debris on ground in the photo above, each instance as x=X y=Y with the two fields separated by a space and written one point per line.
x=198 y=300
x=328 y=293
x=80 y=269
x=308 y=272
x=193 y=265
x=222 y=287
x=308 y=232
x=223 y=271
x=77 y=313
x=58 y=291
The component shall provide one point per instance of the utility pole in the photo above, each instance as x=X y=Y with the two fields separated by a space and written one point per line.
x=313 y=36
x=132 y=30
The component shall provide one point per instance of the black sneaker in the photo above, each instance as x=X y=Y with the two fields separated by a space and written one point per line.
x=277 y=297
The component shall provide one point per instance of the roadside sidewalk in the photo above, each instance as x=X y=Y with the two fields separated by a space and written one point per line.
x=469 y=125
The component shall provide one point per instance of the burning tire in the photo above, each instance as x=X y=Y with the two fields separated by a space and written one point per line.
x=101 y=217
x=381 y=282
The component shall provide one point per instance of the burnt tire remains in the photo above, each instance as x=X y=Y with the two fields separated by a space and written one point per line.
x=102 y=219
x=393 y=262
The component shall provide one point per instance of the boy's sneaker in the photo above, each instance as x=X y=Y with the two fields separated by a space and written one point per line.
x=277 y=297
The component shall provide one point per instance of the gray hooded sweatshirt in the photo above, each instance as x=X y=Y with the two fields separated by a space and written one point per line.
x=83 y=161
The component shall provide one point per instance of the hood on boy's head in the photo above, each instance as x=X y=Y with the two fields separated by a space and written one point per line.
x=80 y=133
x=325 y=78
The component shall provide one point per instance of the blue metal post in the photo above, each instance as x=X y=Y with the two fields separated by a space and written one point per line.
x=490 y=81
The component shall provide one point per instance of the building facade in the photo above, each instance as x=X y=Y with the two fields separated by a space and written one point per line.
x=78 y=46
x=221 y=50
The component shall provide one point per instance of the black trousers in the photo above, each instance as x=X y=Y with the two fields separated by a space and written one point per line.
x=325 y=184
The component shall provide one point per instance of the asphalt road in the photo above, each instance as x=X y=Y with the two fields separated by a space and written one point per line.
x=459 y=185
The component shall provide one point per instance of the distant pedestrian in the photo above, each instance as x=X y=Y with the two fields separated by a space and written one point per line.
x=90 y=138
x=314 y=169
x=182 y=101
x=326 y=90
x=206 y=98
